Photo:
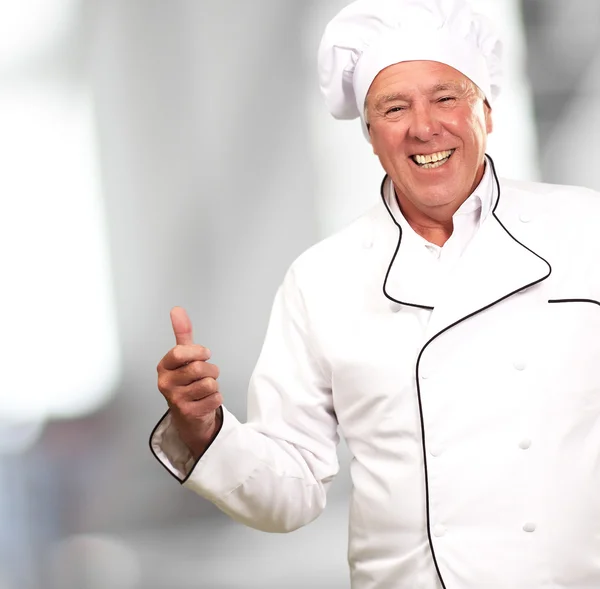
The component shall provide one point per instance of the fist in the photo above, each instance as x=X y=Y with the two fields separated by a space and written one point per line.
x=189 y=384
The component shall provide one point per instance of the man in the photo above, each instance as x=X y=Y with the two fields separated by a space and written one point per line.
x=451 y=333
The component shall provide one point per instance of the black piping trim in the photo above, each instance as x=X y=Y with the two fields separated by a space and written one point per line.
x=575 y=301
x=182 y=481
x=385 y=293
x=435 y=561
x=154 y=453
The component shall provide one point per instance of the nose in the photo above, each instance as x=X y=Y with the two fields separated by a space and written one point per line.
x=423 y=125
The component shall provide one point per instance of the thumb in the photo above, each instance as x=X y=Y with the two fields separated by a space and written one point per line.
x=182 y=326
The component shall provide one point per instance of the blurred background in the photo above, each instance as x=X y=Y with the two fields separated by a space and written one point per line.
x=178 y=153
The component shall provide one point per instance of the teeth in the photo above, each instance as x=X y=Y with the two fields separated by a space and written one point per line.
x=432 y=158
x=435 y=164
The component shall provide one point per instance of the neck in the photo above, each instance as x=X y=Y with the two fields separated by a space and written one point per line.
x=433 y=230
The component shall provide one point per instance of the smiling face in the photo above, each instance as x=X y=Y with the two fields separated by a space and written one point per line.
x=428 y=125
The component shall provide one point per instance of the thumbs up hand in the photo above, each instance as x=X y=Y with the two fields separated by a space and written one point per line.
x=189 y=384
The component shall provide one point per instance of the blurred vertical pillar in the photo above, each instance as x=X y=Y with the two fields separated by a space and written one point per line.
x=57 y=292
x=514 y=142
x=564 y=66
x=58 y=339
x=209 y=191
x=348 y=174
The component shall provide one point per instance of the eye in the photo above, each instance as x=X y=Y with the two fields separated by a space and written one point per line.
x=447 y=99
x=395 y=109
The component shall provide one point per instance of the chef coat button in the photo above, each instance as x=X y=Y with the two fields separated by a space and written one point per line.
x=525 y=217
x=525 y=444
x=439 y=531
x=529 y=527
x=368 y=244
x=435 y=451
x=519 y=365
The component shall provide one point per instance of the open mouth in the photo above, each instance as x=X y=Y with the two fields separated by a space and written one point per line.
x=433 y=160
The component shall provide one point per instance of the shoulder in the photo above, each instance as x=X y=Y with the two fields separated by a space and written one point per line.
x=543 y=193
x=338 y=261
x=342 y=246
x=558 y=207
x=551 y=215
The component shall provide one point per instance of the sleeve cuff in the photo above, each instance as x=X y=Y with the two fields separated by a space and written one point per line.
x=171 y=452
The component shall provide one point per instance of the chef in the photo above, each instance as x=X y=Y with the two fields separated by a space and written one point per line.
x=451 y=334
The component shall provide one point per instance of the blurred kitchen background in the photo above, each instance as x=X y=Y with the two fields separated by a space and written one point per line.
x=161 y=153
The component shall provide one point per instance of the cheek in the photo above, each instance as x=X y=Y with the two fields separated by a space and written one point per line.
x=468 y=124
x=481 y=125
x=473 y=134
x=456 y=123
x=480 y=133
x=387 y=143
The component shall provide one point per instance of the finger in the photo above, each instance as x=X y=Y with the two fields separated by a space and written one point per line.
x=193 y=410
x=182 y=326
x=195 y=392
x=192 y=372
x=181 y=355
x=171 y=382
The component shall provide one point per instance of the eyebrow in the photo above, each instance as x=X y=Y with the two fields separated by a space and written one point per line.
x=439 y=87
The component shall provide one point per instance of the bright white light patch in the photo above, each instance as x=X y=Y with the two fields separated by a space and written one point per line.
x=58 y=339
x=29 y=28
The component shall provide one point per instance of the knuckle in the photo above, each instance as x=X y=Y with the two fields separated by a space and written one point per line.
x=201 y=350
x=163 y=383
x=197 y=369
x=180 y=402
x=177 y=354
x=201 y=388
x=211 y=386
x=214 y=402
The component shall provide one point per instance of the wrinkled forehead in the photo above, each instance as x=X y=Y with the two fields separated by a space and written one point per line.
x=407 y=78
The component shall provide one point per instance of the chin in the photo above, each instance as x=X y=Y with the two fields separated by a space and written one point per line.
x=437 y=200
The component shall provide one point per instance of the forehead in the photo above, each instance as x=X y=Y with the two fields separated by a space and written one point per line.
x=421 y=76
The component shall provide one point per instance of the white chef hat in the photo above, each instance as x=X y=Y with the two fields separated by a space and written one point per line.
x=369 y=35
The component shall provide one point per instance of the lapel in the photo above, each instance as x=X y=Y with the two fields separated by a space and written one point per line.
x=408 y=280
x=411 y=279
x=494 y=266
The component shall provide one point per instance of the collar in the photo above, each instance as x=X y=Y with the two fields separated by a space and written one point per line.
x=496 y=266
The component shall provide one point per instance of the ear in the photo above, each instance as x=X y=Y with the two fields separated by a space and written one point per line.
x=489 y=124
x=371 y=140
x=368 y=126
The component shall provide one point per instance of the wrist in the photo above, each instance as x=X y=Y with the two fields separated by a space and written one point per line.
x=199 y=447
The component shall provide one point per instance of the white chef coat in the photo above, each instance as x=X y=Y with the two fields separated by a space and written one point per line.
x=473 y=418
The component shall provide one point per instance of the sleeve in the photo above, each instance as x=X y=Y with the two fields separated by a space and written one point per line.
x=271 y=473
